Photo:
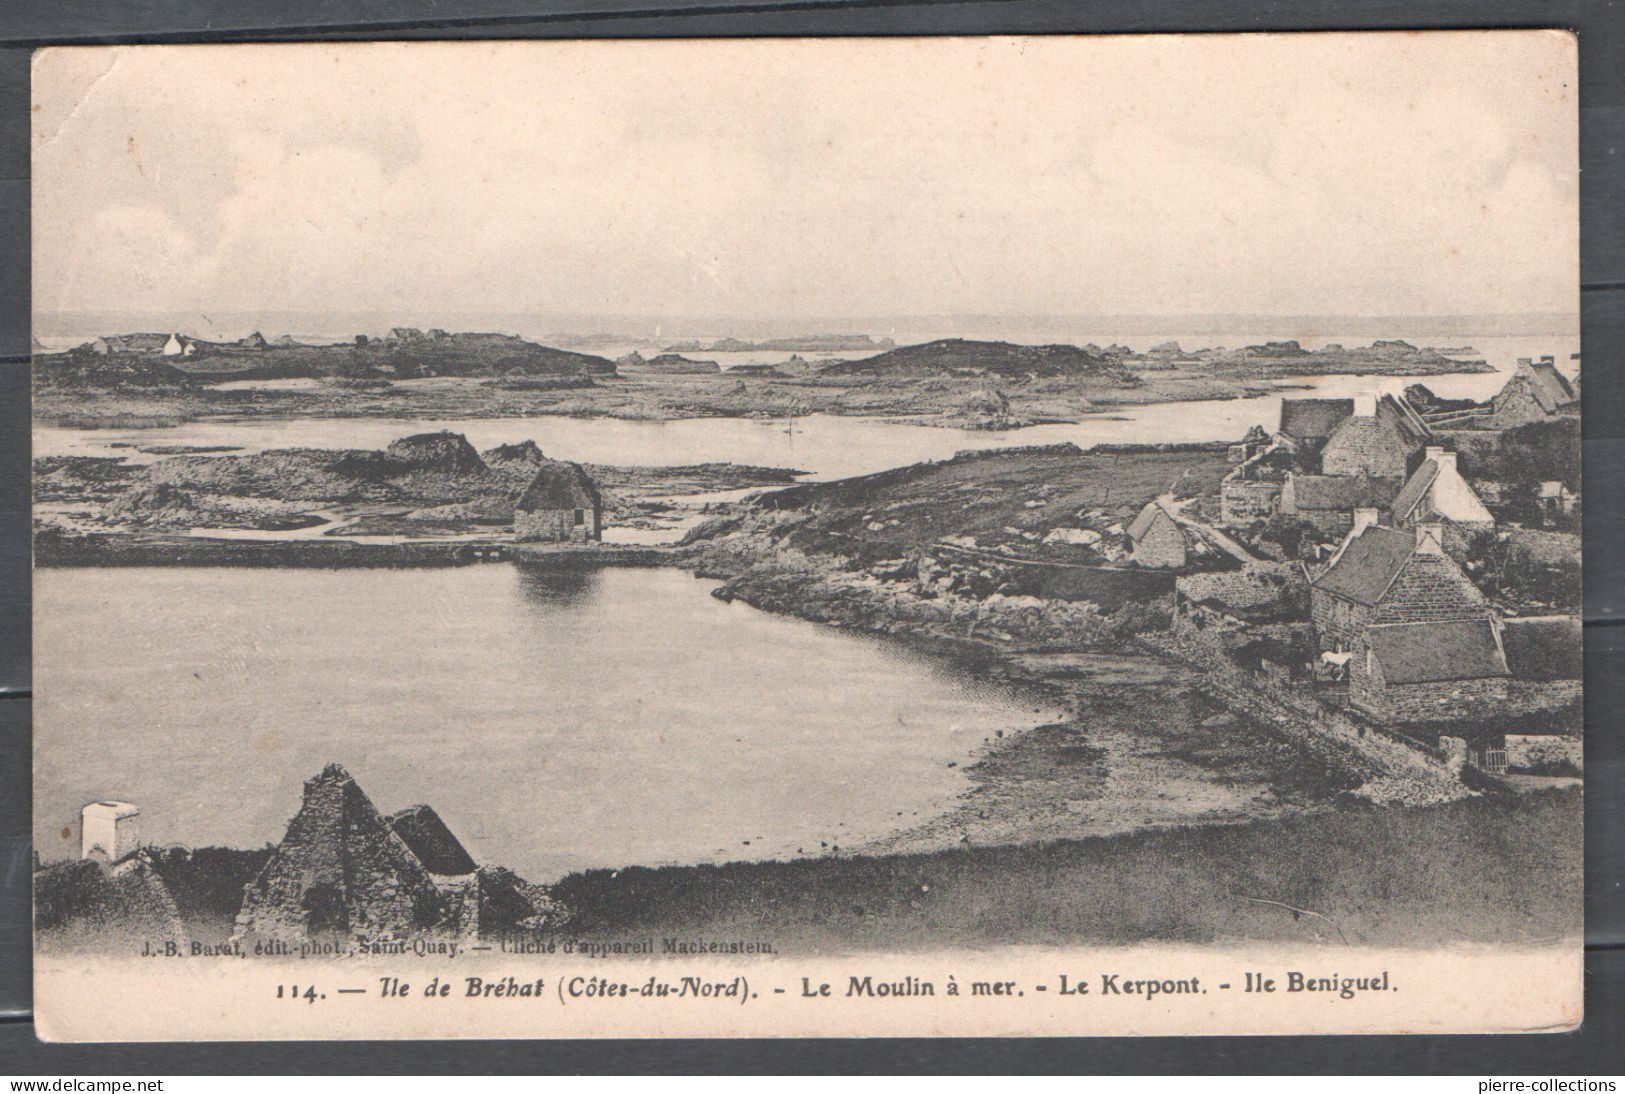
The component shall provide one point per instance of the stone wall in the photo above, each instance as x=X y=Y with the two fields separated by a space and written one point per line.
x=1436 y=701
x=1543 y=752
x=1242 y=501
x=1364 y=446
x=340 y=870
x=557 y=526
x=1163 y=545
x=1430 y=589
x=1338 y=622
x=1395 y=770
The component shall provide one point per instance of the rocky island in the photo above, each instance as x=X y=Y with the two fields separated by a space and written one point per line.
x=156 y=379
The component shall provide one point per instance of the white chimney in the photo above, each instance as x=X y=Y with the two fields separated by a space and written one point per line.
x=1445 y=460
x=1365 y=406
x=1430 y=538
x=1363 y=519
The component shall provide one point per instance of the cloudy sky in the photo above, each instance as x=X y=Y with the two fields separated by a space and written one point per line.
x=1408 y=174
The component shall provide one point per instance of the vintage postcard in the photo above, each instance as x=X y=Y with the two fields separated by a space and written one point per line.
x=822 y=537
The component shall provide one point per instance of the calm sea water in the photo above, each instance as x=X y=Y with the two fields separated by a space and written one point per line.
x=555 y=722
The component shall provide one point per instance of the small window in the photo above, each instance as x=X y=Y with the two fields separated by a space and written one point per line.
x=581 y=516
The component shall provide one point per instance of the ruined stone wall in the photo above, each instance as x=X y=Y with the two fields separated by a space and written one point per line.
x=1242 y=501
x=339 y=870
x=1543 y=752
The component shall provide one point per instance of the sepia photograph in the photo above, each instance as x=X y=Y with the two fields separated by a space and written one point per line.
x=996 y=536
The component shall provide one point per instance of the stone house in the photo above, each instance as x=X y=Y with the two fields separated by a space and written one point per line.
x=1436 y=493
x=146 y=342
x=1308 y=423
x=1535 y=392
x=1379 y=439
x=1384 y=575
x=1427 y=671
x=561 y=505
x=1159 y=541
x=1329 y=501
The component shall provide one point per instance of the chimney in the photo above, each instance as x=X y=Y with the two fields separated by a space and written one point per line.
x=1430 y=538
x=1548 y=359
x=1445 y=460
x=1523 y=361
x=1363 y=519
x=1365 y=406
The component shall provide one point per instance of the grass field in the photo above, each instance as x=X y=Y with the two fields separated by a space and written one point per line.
x=1489 y=869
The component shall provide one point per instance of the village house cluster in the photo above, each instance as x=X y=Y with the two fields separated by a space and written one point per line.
x=1377 y=611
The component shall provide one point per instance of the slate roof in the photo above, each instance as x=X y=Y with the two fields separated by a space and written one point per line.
x=1404 y=417
x=1342 y=492
x=1368 y=565
x=559 y=485
x=1550 y=387
x=1425 y=653
x=1313 y=419
x=1544 y=648
x=1415 y=489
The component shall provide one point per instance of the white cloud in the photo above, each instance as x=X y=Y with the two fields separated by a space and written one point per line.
x=1272 y=173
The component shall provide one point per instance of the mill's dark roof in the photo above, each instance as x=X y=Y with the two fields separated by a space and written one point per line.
x=1368 y=565
x=1342 y=492
x=431 y=841
x=1423 y=653
x=1313 y=419
x=559 y=485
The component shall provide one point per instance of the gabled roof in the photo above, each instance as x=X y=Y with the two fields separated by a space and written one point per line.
x=1384 y=427
x=1313 y=419
x=1339 y=492
x=1423 y=653
x=1405 y=418
x=1368 y=565
x=559 y=485
x=1145 y=518
x=1415 y=489
x=1550 y=387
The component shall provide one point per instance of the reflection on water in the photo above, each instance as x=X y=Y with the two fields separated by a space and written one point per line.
x=589 y=718
x=553 y=588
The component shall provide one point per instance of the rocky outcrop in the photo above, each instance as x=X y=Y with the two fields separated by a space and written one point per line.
x=520 y=459
x=443 y=451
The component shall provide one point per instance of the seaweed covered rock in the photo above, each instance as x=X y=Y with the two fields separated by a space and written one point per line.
x=442 y=451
